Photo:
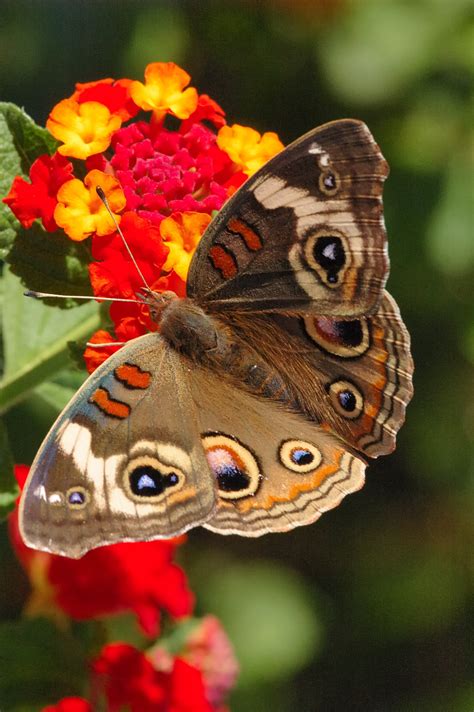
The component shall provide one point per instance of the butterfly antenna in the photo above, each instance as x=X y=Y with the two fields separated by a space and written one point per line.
x=103 y=198
x=46 y=295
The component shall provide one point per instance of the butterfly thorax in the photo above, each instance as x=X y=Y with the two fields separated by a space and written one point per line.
x=190 y=331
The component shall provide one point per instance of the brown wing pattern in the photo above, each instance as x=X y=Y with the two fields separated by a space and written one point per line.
x=304 y=235
x=353 y=377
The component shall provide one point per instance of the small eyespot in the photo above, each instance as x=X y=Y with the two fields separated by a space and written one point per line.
x=300 y=456
x=77 y=497
x=148 y=479
x=329 y=182
x=346 y=399
x=234 y=466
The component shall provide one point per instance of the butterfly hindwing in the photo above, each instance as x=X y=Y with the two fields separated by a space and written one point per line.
x=274 y=470
x=351 y=376
x=305 y=234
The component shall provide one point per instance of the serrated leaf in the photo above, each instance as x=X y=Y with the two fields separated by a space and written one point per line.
x=35 y=339
x=21 y=142
x=51 y=262
x=8 y=487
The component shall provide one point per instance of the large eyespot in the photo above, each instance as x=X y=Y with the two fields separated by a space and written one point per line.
x=234 y=466
x=148 y=479
x=346 y=399
x=326 y=252
x=329 y=182
x=300 y=456
x=76 y=497
x=346 y=339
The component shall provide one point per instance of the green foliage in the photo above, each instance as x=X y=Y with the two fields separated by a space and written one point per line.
x=35 y=349
x=270 y=648
x=50 y=262
x=42 y=662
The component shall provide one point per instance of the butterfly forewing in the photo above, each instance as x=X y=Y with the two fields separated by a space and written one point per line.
x=124 y=461
x=305 y=234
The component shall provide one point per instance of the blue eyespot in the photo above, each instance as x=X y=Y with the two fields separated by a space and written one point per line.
x=144 y=482
x=77 y=497
x=347 y=400
x=301 y=456
x=148 y=481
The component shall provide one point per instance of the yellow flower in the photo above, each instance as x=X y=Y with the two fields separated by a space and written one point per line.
x=85 y=129
x=80 y=211
x=163 y=91
x=181 y=233
x=247 y=148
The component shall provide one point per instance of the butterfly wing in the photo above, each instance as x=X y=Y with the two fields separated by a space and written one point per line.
x=353 y=377
x=274 y=470
x=124 y=460
x=305 y=234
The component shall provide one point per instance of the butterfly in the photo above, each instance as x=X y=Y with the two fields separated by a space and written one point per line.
x=255 y=406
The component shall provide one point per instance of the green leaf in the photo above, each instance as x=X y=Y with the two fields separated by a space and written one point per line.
x=51 y=262
x=40 y=663
x=8 y=487
x=35 y=339
x=21 y=142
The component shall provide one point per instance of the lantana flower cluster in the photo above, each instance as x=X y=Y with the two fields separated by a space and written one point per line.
x=166 y=160
x=162 y=182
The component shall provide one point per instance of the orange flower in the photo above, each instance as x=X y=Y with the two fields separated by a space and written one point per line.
x=247 y=148
x=85 y=129
x=164 y=91
x=80 y=211
x=181 y=233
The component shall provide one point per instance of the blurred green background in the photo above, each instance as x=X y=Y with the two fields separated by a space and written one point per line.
x=372 y=607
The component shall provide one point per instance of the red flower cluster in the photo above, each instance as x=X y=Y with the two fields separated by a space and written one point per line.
x=150 y=175
x=124 y=678
x=162 y=185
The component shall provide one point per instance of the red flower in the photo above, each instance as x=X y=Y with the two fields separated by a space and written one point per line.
x=206 y=110
x=93 y=357
x=114 y=274
x=114 y=94
x=128 y=679
x=29 y=201
x=70 y=704
x=208 y=649
x=140 y=577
